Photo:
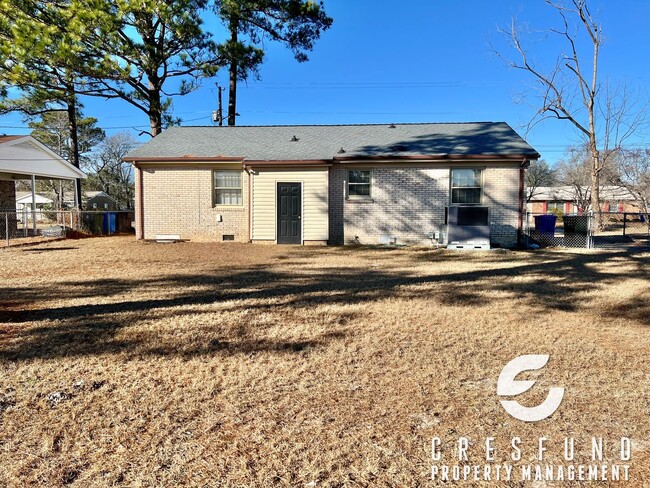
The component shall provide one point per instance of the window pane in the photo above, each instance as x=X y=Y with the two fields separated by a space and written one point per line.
x=228 y=179
x=466 y=195
x=465 y=178
x=359 y=176
x=359 y=189
x=229 y=197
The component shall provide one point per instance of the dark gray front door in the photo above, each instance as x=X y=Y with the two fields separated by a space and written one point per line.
x=289 y=213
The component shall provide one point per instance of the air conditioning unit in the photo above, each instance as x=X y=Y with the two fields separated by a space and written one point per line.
x=468 y=227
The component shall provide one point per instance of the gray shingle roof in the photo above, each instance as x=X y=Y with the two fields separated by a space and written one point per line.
x=324 y=142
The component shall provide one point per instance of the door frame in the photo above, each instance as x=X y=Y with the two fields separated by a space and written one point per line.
x=302 y=208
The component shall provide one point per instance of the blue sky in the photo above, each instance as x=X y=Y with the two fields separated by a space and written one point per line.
x=415 y=61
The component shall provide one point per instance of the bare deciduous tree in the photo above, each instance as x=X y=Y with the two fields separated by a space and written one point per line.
x=575 y=171
x=538 y=174
x=109 y=173
x=632 y=172
x=571 y=90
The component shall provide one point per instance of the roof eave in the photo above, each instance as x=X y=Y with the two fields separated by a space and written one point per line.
x=441 y=157
x=182 y=159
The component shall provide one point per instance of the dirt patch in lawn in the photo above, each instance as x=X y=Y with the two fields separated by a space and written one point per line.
x=143 y=364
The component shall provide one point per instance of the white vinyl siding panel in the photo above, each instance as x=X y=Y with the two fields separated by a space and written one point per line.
x=314 y=202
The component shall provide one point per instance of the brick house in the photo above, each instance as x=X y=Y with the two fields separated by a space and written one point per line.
x=322 y=184
x=569 y=200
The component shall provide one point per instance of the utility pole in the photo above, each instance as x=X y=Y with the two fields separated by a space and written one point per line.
x=220 y=106
x=217 y=116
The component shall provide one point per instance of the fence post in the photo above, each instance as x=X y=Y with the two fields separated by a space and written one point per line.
x=7 y=228
x=624 y=222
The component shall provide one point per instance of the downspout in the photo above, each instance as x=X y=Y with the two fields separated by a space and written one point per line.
x=520 y=220
x=140 y=201
x=250 y=205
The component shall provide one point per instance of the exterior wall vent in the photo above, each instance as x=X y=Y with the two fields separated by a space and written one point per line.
x=227 y=237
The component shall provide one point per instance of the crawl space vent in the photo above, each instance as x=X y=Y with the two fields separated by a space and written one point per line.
x=228 y=237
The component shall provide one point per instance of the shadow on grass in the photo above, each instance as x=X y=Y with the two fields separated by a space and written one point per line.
x=543 y=280
x=36 y=250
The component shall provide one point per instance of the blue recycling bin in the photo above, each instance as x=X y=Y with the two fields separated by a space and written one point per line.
x=110 y=223
x=545 y=224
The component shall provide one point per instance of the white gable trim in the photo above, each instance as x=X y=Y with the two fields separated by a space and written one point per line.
x=49 y=164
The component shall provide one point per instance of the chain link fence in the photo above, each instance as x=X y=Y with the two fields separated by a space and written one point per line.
x=605 y=230
x=28 y=227
x=620 y=229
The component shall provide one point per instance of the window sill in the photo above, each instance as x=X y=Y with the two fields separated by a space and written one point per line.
x=228 y=207
x=360 y=200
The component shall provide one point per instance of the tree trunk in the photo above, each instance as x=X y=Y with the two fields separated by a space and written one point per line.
x=595 y=185
x=232 y=93
x=155 y=105
x=74 y=140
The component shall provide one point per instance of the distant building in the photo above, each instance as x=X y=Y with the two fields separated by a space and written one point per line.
x=24 y=204
x=565 y=200
x=98 y=200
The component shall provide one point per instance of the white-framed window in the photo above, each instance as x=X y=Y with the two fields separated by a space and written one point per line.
x=228 y=187
x=359 y=183
x=555 y=207
x=466 y=186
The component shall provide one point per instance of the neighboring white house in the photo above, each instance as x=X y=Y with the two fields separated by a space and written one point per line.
x=24 y=203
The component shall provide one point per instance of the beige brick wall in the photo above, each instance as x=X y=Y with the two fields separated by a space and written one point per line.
x=179 y=200
x=501 y=194
x=409 y=202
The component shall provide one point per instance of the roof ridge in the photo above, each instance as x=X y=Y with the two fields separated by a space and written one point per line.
x=335 y=125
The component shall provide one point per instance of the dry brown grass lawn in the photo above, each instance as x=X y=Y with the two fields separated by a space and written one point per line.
x=241 y=365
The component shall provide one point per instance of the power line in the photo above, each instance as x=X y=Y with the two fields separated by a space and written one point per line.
x=136 y=127
x=370 y=84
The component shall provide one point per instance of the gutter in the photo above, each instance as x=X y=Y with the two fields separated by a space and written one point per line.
x=180 y=159
x=437 y=157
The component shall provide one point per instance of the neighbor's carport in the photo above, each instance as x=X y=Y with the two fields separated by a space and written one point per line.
x=24 y=158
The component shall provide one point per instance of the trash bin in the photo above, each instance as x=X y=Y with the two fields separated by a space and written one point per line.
x=545 y=224
x=576 y=224
x=92 y=223
x=110 y=223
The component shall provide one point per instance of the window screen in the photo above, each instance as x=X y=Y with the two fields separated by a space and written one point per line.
x=466 y=187
x=359 y=182
x=228 y=187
